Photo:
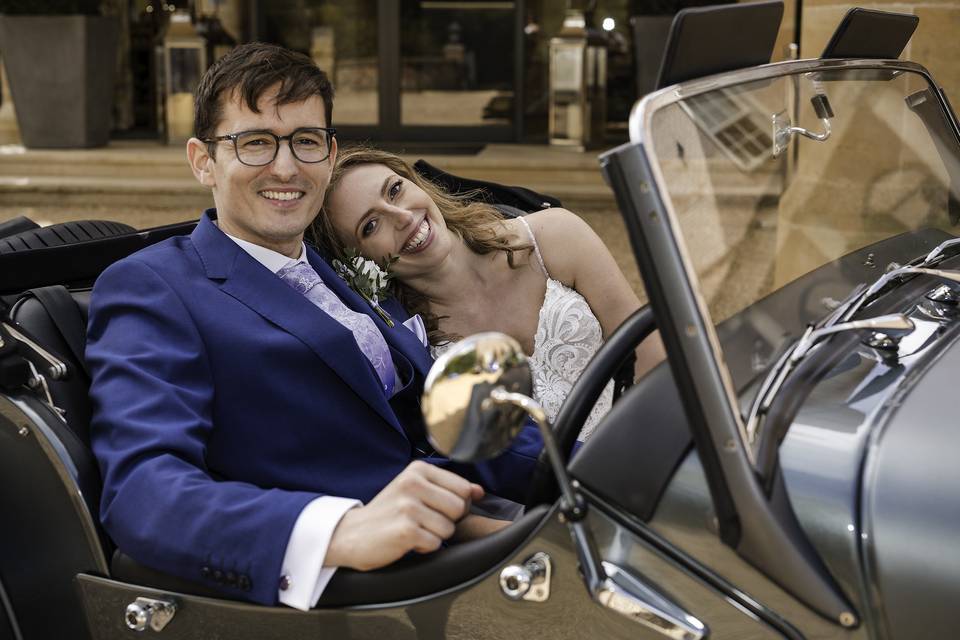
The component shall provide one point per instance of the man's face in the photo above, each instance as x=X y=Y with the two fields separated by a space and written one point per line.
x=269 y=205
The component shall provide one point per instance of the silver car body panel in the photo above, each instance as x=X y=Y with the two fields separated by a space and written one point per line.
x=911 y=504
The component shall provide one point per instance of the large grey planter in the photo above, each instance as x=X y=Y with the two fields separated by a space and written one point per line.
x=60 y=70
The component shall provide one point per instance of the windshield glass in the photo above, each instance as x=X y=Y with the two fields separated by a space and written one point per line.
x=791 y=191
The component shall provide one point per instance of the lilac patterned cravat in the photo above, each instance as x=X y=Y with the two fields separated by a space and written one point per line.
x=304 y=279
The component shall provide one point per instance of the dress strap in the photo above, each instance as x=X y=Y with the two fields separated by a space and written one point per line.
x=536 y=247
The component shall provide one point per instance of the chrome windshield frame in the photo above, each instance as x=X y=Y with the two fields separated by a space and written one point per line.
x=641 y=132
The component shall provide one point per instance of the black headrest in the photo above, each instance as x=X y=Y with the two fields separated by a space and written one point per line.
x=708 y=40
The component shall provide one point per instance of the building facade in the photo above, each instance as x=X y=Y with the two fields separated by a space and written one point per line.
x=459 y=72
x=453 y=72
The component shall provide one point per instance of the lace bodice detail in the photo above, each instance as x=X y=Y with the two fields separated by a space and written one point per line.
x=568 y=335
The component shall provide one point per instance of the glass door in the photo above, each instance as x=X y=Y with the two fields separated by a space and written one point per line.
x=410 y=70
x=457 y=68
x=342 y=38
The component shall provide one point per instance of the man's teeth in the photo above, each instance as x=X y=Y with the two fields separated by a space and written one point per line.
x=420 y=236
x=282 y=195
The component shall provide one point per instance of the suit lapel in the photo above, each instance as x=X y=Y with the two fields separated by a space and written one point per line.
x=398 y=337
x=254 y=285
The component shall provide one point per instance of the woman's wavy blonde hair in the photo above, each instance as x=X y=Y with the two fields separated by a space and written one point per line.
x=465 y=214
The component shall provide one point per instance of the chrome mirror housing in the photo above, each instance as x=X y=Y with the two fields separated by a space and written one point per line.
x=463 y=423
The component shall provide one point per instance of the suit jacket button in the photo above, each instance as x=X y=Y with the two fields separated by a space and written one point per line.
x=231 y=578
x=218 y=576
x=205 y=573
x=244 y=582
x=285 y=583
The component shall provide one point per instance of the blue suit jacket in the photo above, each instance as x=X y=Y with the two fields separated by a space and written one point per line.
x=225 y=401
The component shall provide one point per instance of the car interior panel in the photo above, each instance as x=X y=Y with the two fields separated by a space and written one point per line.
x=651 y=451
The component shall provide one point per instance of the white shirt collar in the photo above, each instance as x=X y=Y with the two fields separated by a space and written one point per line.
x=269 y=258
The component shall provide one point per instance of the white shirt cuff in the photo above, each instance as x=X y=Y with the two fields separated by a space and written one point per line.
x=303 y=573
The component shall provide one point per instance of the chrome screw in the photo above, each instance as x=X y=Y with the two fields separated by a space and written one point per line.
x=847 y=619
x=137 y=617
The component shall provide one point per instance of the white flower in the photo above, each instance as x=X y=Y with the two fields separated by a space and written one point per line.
x=366 y=278
x=367 y=268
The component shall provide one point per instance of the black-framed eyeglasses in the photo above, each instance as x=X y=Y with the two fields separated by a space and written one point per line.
x=259 y=148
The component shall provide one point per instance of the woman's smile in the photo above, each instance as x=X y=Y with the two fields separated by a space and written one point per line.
x=420 y=239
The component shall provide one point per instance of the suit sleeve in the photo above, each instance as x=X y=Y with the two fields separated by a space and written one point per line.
x=508 y=475
x=152 y=393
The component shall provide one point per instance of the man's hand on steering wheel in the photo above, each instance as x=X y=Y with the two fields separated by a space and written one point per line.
x=417 y=511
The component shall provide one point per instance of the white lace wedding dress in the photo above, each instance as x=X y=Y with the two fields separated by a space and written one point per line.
x=568 y=334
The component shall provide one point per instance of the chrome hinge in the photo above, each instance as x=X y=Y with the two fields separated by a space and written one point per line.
x=149 y=612
x=529 y=581
x=38 y=384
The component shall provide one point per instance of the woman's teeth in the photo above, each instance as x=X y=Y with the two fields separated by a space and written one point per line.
x=282 y=195
x=419 y=237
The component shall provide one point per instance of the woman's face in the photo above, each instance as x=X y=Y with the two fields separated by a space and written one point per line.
x=383 y=214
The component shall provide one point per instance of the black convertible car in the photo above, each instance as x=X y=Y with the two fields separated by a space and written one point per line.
x=790 y=472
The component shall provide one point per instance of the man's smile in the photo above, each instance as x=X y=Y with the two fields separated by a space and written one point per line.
x=278 y=195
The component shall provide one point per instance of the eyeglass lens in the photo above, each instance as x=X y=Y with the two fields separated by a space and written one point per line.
x=260 y=147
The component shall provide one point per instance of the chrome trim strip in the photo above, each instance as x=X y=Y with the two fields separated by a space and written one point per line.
x=11 y=614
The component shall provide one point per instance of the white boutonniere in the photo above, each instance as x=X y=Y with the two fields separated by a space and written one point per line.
x=367 y=278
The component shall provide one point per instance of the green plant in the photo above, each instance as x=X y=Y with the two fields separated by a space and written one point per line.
x=50 y=7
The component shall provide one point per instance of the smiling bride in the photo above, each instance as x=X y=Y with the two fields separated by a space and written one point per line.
x=546 y=278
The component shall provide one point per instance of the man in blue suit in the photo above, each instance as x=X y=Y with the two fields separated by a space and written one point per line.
x=257 y=425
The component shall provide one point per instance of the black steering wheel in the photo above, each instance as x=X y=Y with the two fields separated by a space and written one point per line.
x=610 y=357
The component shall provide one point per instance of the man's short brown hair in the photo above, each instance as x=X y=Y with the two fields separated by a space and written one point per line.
x=250 y=70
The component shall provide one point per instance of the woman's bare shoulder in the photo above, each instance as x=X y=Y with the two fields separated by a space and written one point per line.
x=564 y=238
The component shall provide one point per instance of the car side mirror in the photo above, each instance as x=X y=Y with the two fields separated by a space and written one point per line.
x=463 y=421
x=475 y=400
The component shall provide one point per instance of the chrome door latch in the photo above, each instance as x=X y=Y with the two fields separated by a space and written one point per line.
x=529 y=581
x=149 y=612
